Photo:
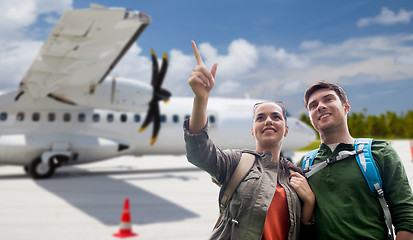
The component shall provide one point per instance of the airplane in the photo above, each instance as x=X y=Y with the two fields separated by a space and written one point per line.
x=68 y=110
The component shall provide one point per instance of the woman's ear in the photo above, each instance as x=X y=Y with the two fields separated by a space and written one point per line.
x=286 y=131
x=252 y=133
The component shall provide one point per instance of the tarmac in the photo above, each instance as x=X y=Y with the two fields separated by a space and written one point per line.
x=169 y=199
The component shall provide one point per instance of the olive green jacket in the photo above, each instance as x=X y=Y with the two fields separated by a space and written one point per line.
x=244 y=218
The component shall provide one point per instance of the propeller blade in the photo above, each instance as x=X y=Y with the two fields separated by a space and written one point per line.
x=155 y=69
x=162 y=73
x=156 y=123
x=148 y=118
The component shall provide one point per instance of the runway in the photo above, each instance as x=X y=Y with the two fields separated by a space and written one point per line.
x=169 y=199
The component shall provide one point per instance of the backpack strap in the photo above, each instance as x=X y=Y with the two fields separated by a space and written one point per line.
x=367 y=165
x=242 y=169
x=309 y=159
x=309 y=169
x=372 y=175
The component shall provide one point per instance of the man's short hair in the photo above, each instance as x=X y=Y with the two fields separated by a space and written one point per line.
x=325 y=85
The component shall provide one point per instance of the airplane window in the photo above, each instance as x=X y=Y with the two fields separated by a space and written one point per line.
x=137 y=118
x=175 y=118
x=81 y=117
x=66 y=117
x=20 y=117
x=36 y=117
x=123 y=118
x=211 y=119
x=163 y=118
x=3 y=116
x=110 y=117
x=96 y=117
x=51 y=117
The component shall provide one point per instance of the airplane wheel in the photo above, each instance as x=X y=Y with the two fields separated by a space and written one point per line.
x=40 y=170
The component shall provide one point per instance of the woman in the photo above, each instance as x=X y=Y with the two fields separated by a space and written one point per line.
x=274 y=199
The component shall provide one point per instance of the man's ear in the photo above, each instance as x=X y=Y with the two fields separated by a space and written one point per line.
x=347 y=107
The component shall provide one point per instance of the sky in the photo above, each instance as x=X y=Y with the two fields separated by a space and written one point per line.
x=267 y=49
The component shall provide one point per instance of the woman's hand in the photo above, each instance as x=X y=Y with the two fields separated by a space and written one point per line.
x=200 y=80
x=300 y=185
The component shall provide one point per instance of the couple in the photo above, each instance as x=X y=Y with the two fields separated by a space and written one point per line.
x=274 y=200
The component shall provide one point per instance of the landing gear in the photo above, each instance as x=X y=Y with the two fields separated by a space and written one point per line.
x=40 y=170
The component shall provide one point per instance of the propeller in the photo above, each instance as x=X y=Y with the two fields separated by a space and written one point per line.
x=158 y=94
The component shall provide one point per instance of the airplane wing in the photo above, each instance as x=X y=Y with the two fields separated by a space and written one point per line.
x=83 y=47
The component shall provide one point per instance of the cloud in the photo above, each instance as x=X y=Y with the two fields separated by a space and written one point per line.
x=135 y=66
x=314 y=44
x=359 y=78
x=241 y=58
x=18 y=14
x=282 y=57
x=387 y=18
x=228 y=87
x=405 y=59
x=15 y=58
x=292 y=87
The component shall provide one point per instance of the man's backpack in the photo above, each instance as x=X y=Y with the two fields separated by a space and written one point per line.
x=242 y=169
x=362 y=152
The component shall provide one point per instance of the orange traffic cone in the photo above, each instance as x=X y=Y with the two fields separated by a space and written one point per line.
x=125 y=229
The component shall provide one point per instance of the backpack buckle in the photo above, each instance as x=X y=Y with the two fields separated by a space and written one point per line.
x=331 y=160
x=221 y=208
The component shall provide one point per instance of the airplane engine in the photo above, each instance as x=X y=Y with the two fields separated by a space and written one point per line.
x=42 y=154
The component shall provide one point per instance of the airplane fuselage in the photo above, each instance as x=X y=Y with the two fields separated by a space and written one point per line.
x=30 y=128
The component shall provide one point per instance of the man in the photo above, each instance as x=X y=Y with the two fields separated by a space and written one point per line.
x=345 y=207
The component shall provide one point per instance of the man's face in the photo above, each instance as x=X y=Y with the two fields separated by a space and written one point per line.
x=326 y=111
x=269 y=126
